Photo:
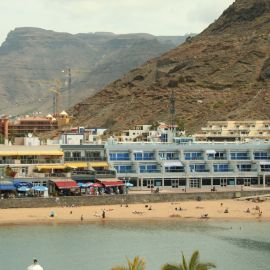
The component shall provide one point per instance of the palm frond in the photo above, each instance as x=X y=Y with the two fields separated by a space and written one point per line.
x=205 y=266
x=194 y=260
x=184 y=263
x=170 y=267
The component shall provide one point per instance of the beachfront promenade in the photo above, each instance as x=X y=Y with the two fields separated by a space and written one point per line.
x=135 y=197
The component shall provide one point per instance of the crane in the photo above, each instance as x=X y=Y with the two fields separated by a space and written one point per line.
x=57 y=96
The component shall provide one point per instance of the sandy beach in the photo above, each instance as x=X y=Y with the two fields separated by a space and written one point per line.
x=189 y=210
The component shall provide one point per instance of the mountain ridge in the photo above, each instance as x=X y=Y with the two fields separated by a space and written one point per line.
x=32 y=58
x=222 y=73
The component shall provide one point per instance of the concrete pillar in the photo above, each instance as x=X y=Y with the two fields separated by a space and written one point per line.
x=212 y=182
x=264 y=180
x=200 y=182
x=228 y=154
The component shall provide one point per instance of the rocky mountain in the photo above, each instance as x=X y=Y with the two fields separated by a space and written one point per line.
x=222 y=73
x=32 y=58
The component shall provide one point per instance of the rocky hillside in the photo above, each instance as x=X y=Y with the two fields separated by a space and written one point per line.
x=223 y=73
x=31 y=59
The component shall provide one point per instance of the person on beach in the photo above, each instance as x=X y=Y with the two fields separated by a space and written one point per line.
x=226 y=211
x=81 y=217
x=52 y=214
x=248 y=211
x=103 y=214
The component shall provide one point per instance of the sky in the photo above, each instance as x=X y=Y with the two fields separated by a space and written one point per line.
x=158 y=17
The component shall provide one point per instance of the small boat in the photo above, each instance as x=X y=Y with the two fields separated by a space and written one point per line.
x=35 y=266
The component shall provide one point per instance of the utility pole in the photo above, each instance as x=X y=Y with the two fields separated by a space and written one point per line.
x=69 y=87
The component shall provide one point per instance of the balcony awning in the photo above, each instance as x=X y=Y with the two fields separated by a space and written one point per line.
x=68 y=184
x=99 y=164
x=51 y=166
x=211 y=152
x=173 y=163
x=87 y=164
x=264 y=162
x=31 y=153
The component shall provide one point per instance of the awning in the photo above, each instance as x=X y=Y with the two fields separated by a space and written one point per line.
x=87 y=164
x=51 y=166
x=211 y=152
x=40 y=188
x=31 y=153
x=19 y=184
x=7 y=187
x=265 y=163
x=66 y=184
x=99 y=164
x=173 y=163
x=112 y=183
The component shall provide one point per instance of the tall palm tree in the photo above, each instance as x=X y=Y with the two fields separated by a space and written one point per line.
x=136 y=264
x=194 y=264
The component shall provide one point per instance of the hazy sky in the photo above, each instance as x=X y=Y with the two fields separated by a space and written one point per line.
x=159 y=17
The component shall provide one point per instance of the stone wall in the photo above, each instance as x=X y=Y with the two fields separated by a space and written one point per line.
x=118 y=199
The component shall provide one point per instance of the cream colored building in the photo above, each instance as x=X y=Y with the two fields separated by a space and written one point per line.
x=235 y=131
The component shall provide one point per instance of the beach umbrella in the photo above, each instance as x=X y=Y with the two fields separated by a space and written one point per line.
x=40 y=188
x=23 y=189
x=129 y=184
x=84 y=185
x=19 y=184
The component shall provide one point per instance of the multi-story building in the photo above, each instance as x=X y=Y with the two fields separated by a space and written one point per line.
x=235 y=131
x=194 y=165
x=32 y=124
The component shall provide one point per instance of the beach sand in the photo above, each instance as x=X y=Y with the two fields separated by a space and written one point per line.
x=191 y=210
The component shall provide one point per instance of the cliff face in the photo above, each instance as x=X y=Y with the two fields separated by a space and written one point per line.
x=223 y=73
x=32 y=58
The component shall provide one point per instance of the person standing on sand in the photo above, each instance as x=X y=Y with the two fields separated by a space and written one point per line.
x=81 y=217
x=103 y=214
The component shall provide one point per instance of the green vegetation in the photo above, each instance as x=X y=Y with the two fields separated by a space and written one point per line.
x=136 y=264
x=193 y=264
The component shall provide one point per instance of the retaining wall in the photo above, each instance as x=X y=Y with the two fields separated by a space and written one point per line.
x=118 y=199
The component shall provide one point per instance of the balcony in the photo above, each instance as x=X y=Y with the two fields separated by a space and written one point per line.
x=74 y=159
x=105 y=174
x=150 y=171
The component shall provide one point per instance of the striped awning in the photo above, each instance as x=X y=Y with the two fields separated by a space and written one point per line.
x=31 y=153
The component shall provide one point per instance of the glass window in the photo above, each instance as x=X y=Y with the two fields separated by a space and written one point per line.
x=193 y=155
x=260 y=155
x=239 y=155
x=221 y=167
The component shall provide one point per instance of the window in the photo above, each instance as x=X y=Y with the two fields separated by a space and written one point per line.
x=193 y=156
x=123 y=168
x=261 y=155
x=67 y=154
x=174 y=169
x=265 y=168
x=119 y=156
x=239 y=156
x=76 y=154
x=92 y=154
x=168 y=155
x=244 y=167
x=148 y=168
x=221 y=167
x=144 y=156
x=197 y=167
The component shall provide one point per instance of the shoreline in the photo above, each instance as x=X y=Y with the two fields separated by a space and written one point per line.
x=190 y=211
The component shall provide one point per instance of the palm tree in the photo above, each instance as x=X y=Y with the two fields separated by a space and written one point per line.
x=194 y=264
x=137 y=264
